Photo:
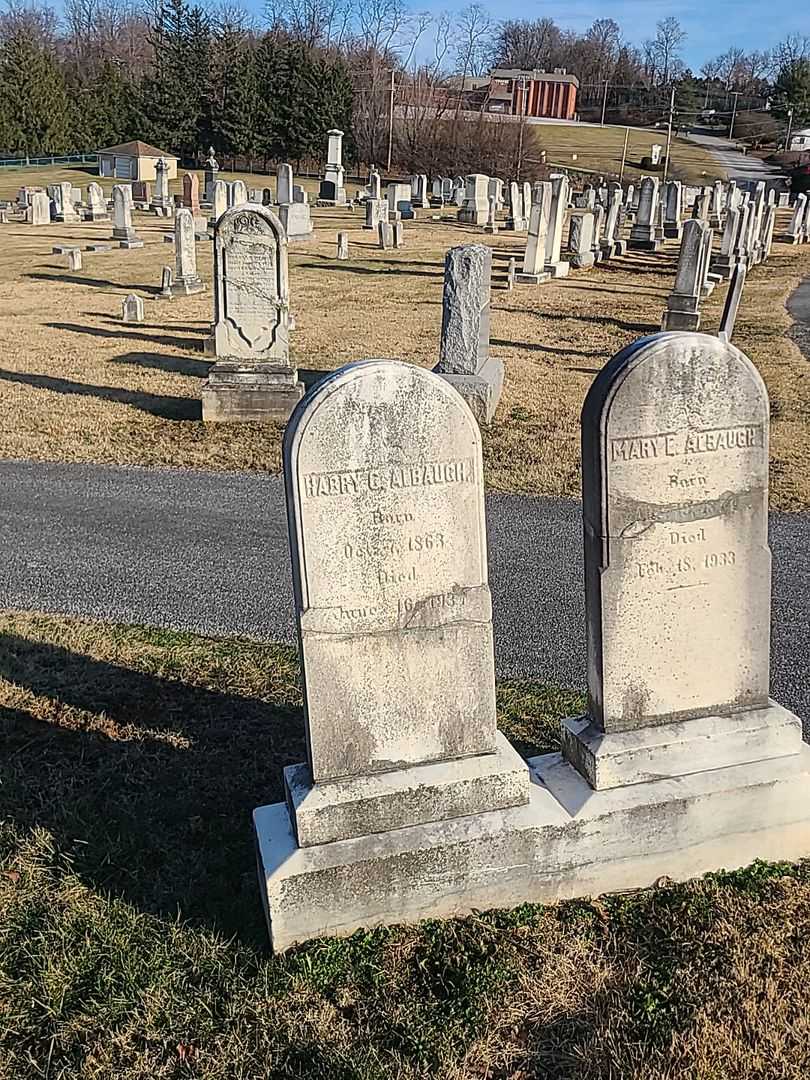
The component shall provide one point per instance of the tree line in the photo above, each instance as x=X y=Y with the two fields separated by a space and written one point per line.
x=185 y=77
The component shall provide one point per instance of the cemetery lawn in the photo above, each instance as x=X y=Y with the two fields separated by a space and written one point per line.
x=76 y=384
x=132 y=944
x=599 y=149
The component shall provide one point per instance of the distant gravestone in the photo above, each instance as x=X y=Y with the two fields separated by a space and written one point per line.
x=296 y=219
x=219 y=200
x=398 y=234
x=284 y=184
x=96 y=203
x=342 y=245
x=332 y=190
x=642 y=234
x=141 y=191
x=162 y=200
x=733 y=298
x=237 y=193
x=74 y=259
x=39 y=208
x=187 y=281
x=132 y=309
x=534 y=258
x=253 y=378
x=166 y=282
x=123 y=231
x=683 y=303
x=555 y=264
x=580 y=239
x=677 y=565
x=464 y=358
x=475 y=208
x=64 y=210
x=385 y=235
x=191 y=193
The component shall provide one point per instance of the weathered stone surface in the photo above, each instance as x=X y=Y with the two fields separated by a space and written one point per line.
x=641 y=755
x=187 y=281
x=74 y=259
x=237 y=193
x=284 y=184
x=219 y=200
x=132 y=309
x=296 y=220
x=253 y=378
x=464 y=345
x=389 y=562
x=683 y=303
x=580 y=239
x=191 y=193
x=675 y=478
x=332 y=189
x=342 y=245
x=642 y=234
x=733 y=298
x=568 y=841
x=534 y=257
x=122 y=217
x=360 y=806
x=96 y=203
x=475 y=208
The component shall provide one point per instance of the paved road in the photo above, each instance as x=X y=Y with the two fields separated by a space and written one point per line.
x=208 y=552
x=738 y=166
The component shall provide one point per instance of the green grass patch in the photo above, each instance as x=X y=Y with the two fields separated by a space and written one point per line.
x=132 y=942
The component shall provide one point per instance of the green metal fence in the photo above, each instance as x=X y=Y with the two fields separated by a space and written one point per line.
x=38 y=162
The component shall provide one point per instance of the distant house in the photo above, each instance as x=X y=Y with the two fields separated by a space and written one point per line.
x=800 y=140
x=133 y=161
x=518 y=92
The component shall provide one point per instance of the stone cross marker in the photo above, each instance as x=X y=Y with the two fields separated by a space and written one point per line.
x=253 y=378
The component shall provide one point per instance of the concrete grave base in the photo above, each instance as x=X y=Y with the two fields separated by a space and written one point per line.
x=130 y=244
x=238 y=393
x=615 y=759
x=344 y=809
x=680 y=320
x=644 y=245
x=188 y=288
x=532 y=279
x=583 y=261
x=558 y=269
x=567 y=841
x=481 y=391
x=673 y=232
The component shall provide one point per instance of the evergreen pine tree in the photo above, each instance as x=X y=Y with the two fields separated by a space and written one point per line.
x=34 y=108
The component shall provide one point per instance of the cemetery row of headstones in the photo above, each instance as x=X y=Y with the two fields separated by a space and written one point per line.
x=411 y=804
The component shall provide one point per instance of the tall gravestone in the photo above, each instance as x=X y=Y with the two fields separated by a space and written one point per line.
x=186 y=279
x=284 y=185
x=475 y=208
x=642 y=234
x=191 y=193
x=332 y=190
x=123 y=231
x=683 y=303
x=534 y=257
x=580 y=239
x=253 y=377
x=211 y=171
x=219 y=200
x=383 y=474
x=38 y=211
x=161 y=199
x=555 y=264
x=464 y=358
x=677 y=566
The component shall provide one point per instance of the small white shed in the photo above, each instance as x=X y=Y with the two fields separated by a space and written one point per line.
x=133 y=161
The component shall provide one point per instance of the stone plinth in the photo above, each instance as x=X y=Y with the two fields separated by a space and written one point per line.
x=235 y=393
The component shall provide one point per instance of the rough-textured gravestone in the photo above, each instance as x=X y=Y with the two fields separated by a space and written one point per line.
x=464 y=358
x=342 y=245
x=132 y=309
x=383 y=472
x=187 y=281
x=385 y=235
x=253 y=378
x=123 y=231
x=677 y=566
x=375 y=208
x=64 y=210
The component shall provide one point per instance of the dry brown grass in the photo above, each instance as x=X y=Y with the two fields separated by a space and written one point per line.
x=600 y=149
x=78 y=385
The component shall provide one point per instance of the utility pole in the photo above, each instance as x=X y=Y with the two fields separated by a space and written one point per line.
x=391 y=122
x=735 y=95
x=522 y=127
x=604 y=103
x=624 y=153
x=669 y=133
x=790 y=125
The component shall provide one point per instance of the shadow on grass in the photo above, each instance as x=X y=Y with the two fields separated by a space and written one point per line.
x=531 y=346
x=177 y=365
x=100 y=283
x=403 y=267
x=148 y=781
x=165 y=406
x=99 y=331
